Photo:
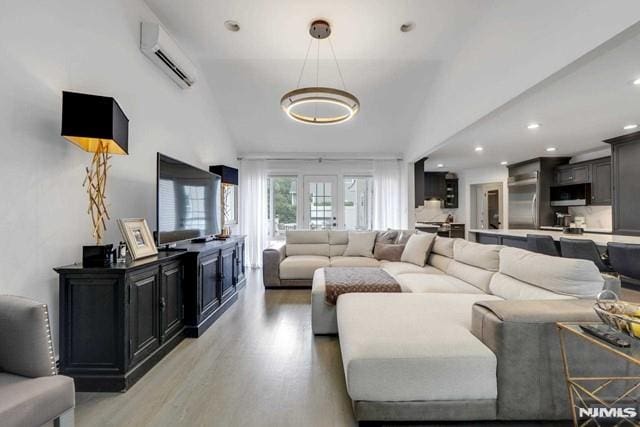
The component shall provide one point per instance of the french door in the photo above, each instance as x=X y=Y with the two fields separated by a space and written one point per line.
x=320 y=202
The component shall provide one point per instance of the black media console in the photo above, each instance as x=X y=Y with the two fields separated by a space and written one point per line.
x=119 y=321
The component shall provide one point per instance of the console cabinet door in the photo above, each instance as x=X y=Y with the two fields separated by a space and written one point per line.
x=144 y=310
x=228 y=267
x=208 y=278
x=240 y=261
x=171 y=299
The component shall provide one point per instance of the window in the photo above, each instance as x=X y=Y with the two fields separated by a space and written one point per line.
x=282 y=204
x=358 y=196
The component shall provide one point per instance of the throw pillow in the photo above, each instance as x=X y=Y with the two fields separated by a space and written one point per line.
x=403 y=236
x=360 y=244
x=417 y=249
x=388 y=236
x=388 y=252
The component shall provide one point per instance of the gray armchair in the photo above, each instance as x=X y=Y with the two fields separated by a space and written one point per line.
x=31 y=392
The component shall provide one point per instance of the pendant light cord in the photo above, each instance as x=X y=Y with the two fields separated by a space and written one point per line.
x=344 y=86
x=304 y=64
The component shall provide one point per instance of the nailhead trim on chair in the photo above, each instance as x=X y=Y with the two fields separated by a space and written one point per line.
x=52 y=357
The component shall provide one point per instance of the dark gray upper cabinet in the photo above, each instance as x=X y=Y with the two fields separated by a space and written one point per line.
x=601 y=190
x=626 y=183
x=435 y=186
x=418 y=188
x=573 y=174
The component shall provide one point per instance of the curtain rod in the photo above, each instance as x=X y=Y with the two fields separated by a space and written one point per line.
x=321 y=159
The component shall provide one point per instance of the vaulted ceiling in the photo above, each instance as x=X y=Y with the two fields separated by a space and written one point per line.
x=464 y=60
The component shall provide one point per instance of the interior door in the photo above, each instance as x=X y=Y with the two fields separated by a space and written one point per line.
x=320 y=202
x=493 y=209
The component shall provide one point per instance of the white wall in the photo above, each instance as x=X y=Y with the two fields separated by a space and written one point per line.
x=469 y=177
x=85 y=46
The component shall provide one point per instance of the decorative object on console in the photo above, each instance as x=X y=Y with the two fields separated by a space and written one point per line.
x=320 y=105
x=97 y=125
x=229 y=177
x=138 y=237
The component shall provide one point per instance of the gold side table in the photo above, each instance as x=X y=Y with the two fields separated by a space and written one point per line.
x=583 y=389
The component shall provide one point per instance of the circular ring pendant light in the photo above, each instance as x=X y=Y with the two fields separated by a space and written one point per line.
x=296 y=103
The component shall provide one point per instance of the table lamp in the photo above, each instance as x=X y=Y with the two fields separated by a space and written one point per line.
x=97 y=125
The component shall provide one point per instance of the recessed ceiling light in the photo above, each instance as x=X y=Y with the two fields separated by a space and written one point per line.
x=636 y=82
x=478 y=149
x=504 y=163
x=232 y=26
x=533 y=125
x=629 y=127
x=550 y=149
x=407 y=26
x=440 y=165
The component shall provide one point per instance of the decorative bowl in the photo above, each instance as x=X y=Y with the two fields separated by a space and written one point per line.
x=622 y=316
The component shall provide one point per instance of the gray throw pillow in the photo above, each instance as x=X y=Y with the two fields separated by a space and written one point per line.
x=388 y=252
x=403 y=236
x=360 y=244
x=388 y=236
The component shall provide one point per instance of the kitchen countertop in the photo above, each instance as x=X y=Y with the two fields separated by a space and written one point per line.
x=599 y=239
x=586 y=230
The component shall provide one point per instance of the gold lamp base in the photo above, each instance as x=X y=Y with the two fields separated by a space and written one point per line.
x=96 y=185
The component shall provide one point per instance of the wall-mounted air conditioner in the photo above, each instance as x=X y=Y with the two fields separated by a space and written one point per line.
x=156 y=43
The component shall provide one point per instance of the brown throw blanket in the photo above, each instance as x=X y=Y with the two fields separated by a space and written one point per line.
x=343 y=280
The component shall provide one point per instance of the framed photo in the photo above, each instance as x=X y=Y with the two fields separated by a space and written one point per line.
x=138 y=237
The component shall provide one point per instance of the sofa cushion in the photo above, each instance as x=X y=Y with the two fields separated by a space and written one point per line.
x=443 y=246
x=302 y=266
x=417 y=249
x=34 y=401
x=338 y=240
x=360 y=243
x=395 y=268
x=440 y=262
x=478 y=277
x=404 y=347
x=388 y=251
x=318 y=249
x=477 y=254
x=511 y=289
x=435 y=283
x=353 y=261
x=567 y=276
x=307 y=236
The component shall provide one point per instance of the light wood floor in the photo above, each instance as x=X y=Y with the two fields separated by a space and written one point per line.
x=258 y=365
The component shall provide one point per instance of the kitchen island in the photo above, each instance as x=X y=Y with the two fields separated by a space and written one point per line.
x=518 y=238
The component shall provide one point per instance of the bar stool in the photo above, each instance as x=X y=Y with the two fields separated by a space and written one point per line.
x=625 y=259
x=584 y=249
x=542 y=244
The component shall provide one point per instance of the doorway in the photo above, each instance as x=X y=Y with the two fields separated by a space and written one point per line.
x=320 y=202
x=486 y=210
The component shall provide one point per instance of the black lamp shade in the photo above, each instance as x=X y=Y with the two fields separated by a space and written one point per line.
x=229 y=175
x=88 y=120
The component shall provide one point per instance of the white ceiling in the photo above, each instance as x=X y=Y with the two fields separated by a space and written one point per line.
x=389 y=71
x=583 y=104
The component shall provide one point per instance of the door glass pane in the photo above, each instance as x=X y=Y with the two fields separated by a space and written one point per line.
x=357 y=203
x=320 y=206
x=282 y=205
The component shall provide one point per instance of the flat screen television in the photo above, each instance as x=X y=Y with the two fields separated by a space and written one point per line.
x=188 y=202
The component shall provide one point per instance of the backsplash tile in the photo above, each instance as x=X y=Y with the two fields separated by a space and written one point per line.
x=596 y=217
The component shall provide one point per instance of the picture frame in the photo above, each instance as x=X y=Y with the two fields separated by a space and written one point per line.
x=138 y=237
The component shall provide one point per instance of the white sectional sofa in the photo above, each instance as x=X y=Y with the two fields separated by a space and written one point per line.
x=471 y=336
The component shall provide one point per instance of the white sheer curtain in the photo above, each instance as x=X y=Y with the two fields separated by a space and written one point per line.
x=387 y=205
x=253 y=209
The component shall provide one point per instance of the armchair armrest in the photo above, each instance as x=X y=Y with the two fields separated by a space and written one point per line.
x=271 y=259
x=26 y=347
x=524 y=337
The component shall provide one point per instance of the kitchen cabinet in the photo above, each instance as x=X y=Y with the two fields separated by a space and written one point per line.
x=573 y=174
x=435 y=186
x=626 y=183
x=601 y=191
x=451 y=193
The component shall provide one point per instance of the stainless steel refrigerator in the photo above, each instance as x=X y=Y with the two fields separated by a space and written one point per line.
x=523 y=201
